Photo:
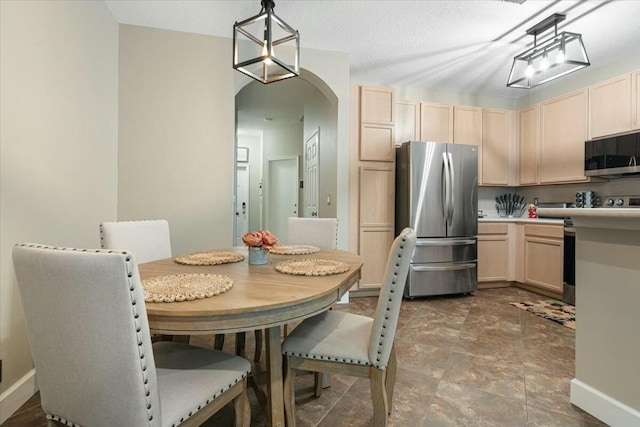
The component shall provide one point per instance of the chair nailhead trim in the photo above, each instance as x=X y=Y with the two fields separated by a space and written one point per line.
x=62 y=420
x=390 y=300
x=136 y=316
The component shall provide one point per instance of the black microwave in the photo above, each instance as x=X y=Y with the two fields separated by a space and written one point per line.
x=615 y=155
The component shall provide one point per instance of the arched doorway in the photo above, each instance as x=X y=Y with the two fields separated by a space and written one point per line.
x=272 y=124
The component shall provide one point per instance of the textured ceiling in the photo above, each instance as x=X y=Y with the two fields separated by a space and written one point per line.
x=448 y=46
x=452 y=46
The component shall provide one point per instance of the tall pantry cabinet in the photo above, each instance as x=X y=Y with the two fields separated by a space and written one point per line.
x=373 y=145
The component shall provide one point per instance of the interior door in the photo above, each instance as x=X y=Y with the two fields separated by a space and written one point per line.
x=311 y=165
x=281 y=193
x=242 y=203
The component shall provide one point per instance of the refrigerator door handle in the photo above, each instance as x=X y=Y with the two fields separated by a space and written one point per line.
x=441 y=242
x=465 y=266
x=452 y=180
x=447 y=188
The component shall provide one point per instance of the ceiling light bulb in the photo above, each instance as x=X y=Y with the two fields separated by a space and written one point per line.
x=560 y=57
x=529 y=71
x=265 y=52
x=544 y=64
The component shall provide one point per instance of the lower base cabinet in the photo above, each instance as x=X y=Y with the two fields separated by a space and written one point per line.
x=522 y=253
x=493 y=252
x=543 y=256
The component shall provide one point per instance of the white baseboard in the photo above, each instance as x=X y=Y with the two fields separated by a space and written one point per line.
x=17 y=395
x=602 y=406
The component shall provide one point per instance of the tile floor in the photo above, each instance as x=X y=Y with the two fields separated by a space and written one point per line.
x=462 y=361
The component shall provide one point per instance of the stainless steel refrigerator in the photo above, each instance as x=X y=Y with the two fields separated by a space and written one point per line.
x=436 y=195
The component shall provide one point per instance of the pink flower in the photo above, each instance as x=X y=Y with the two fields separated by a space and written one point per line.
x=252 y=238
x=260 y=239
x=268 y=239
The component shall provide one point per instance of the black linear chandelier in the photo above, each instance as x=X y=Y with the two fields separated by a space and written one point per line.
x=557 y=56
x=254 y=43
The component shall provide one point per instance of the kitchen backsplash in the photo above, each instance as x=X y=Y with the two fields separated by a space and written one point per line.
x=557 y=193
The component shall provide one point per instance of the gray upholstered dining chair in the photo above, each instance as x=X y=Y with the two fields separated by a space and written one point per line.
x=349 y=344
x=147 y=240
x=320 y=232
x=92 y=350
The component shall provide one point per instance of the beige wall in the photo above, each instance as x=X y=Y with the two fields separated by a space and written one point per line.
x=59 y=105
x=176 y=139
x=176 y=112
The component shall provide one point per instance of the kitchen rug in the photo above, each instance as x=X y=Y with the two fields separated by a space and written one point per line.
x=551 y=309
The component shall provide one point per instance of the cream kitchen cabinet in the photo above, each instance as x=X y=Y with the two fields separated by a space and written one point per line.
x=377 y=105
x=377 y=124
x=467 y=125
x=496 y=147
x=407 y=121
x=436 y=122
x=372 y=179
x=610 y=107
x=563 y=130
x=493 y=252
x=543 y=257
x=467 y=129
x=528 y=146
x=377 y=220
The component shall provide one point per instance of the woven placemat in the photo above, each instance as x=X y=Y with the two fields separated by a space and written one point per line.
x=294 y=250
x=185 y=287
x=311 y=267
x=209 y=258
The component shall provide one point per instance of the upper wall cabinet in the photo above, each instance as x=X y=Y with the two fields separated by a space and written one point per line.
x=467 y=125
x=377 y=105
x=563 y=130
x=528 y=146
x=496 y=146
x=635 y=98
x=377 y=130
x=467 y=129
x=407 y=121
x=610 y=107
x=436 y=122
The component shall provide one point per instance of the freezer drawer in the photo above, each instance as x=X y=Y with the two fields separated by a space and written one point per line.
x=441 y=279
x=445 y=250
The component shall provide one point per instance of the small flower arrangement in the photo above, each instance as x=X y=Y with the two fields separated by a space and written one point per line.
x=262 y=239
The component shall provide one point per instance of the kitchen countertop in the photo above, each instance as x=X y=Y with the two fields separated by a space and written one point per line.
x=615 y=218
x=524 y=219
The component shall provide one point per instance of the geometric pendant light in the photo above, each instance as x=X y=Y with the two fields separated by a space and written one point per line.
x=265 y=47
x=557 y=56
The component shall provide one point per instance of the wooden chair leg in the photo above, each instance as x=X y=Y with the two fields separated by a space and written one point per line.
x=379 y=397
x=242 y=409
x=218 y=341
x=318 y=383
x=289 y=393
x=258 y=353
x=390 y=378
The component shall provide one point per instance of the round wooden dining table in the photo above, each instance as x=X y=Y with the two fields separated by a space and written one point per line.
x=260 y=298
